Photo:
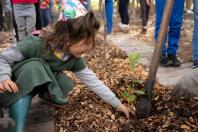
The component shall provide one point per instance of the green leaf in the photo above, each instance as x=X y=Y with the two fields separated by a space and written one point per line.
x=138 y=81
x=139 y=92
x=134 y=59
x=132 y=98
x=125 y=94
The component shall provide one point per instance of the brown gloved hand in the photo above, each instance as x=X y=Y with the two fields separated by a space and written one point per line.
x=187 y=86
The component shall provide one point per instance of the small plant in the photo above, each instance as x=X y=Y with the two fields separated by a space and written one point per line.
x=131 y=94
x=134 y=59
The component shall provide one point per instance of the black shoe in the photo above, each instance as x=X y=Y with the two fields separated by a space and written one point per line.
x=54 y=100
x=195 y=64
x=163 y=60
x=172 y=60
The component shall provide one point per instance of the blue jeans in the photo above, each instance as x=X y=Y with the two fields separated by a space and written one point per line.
x=174 y=25
x=195 y=33
x=51 y=4
x=45 y=16
x=109 y=15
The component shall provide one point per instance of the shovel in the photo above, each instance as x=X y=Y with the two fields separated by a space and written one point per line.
x=143 y=105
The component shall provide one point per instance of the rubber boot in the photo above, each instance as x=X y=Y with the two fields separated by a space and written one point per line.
x=18 y=111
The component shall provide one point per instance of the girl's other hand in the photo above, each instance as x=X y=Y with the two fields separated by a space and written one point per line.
x=8 y=85
x=124 y=109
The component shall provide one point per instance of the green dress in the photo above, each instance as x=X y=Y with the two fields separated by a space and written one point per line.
x=39 y=70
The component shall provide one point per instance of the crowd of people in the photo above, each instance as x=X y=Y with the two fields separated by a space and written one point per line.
x=42 y=59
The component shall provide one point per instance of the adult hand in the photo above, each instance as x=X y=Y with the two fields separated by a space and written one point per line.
x=124 y=109
x=148 y=2
x=187 y=86
x=8 y=85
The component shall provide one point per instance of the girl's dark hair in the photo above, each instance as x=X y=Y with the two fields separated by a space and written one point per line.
x=71 y=31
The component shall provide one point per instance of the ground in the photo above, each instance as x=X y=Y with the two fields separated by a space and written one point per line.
x=87 y=112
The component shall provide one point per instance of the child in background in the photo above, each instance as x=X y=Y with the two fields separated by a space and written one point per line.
x=124 y=15
x=8 y=15
x=25 y=16
x=1 y=16
x=144 y=14
x=36 y=65
x=108 y=12
x=45 y=12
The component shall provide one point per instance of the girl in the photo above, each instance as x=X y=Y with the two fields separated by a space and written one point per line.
x=36 y=65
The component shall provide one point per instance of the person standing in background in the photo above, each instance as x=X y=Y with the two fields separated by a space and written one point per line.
x=25 y=16
x=169 y=53
x=8 y=15
x=1 y=15
x=195 y=35
x=108 y=10
x=189 y=6
x=123 y=11
x=144 y=14
x=45 y=12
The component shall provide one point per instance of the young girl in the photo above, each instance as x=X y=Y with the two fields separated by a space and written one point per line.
x=36 y=65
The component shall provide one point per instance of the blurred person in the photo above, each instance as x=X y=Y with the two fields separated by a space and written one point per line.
x=1 y=15
x=25 y=16
x=8 y=15
x=38 y=25
x=195 y=36
x=169 y=53
x=45 y=12
x=144 y=14
x=108 y=13
x=123 y=11
x=84 y=3
x=189 y=6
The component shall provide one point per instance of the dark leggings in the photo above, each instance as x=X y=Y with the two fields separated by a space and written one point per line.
x=144 y=12
x=123 y=11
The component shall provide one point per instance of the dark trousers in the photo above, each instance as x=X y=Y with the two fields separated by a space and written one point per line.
x=123 y=11
x=38 y=16
x=14 y=22
x=144 y=12
x=1 y=16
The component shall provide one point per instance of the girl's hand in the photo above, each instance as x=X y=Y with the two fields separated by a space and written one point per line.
x=124 y=109
x=8 y=85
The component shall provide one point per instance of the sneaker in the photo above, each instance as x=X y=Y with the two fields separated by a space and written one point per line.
x=172 y=60
x=124 y=26
x=195 y=64
x=144 y=30
x=120 y=24
x=189 y=12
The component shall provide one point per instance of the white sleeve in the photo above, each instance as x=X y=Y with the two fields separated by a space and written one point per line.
x=94 y=84
x=7 y=59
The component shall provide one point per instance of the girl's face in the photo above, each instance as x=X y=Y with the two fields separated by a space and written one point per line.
x=81 y=47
